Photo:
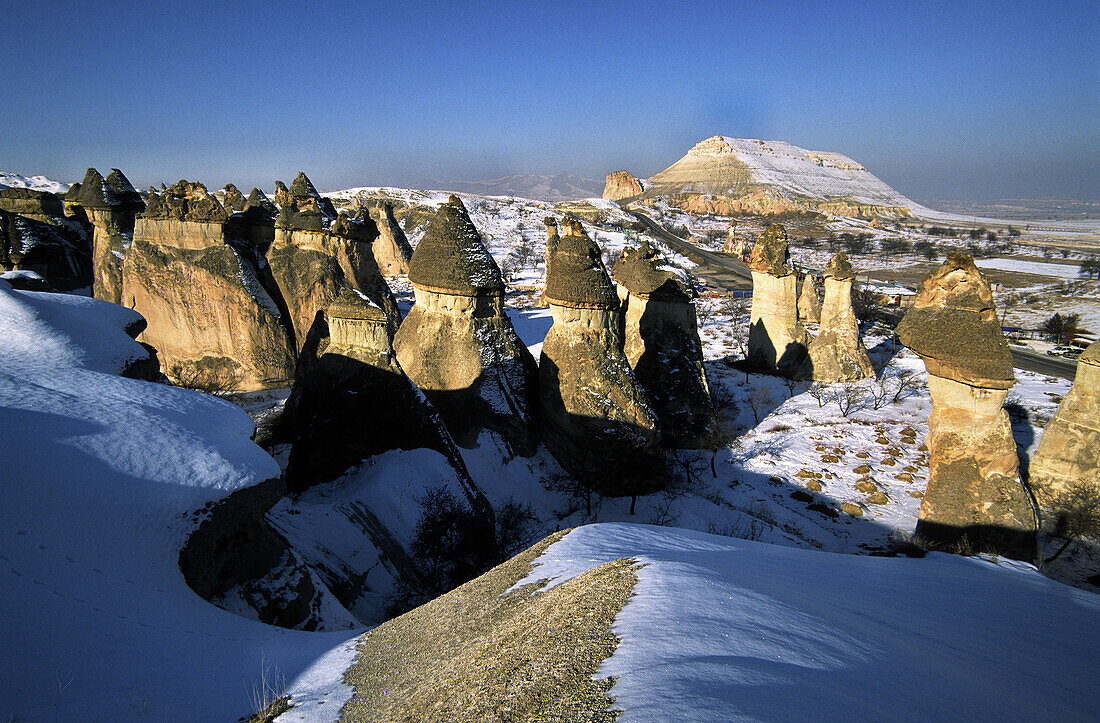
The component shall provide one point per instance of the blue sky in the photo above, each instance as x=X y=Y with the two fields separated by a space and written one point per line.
x=939 y=99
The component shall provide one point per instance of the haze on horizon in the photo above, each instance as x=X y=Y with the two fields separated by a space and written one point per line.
x=941 y=101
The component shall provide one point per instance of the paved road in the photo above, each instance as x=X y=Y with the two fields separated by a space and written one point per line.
x=1054 y=366
x=719 y=270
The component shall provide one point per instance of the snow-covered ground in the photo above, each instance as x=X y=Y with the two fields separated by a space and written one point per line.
x=35 y=183
x=721 y=630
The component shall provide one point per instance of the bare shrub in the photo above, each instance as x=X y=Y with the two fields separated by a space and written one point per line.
x=1073 y=514
x=760 y=401
x=751 y=529
x=822 y=393
x=210 y=378
x=850 y=398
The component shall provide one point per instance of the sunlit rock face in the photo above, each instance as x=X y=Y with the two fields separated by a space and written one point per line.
x=836 y=354
x=621 y=184
x=735 y=244
x=458 y=345
x=392 y=251
x=194 y=272
x=777 y=342
x=974 y=489
x=595 y=417
x=316 y=252
x=809 y=304
x=351 y=399
x=1069 y=450
x=552 y=238
x=661 y=343
x=111 y=205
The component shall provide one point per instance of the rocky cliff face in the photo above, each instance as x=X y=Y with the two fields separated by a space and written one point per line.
x=316 y=252
x=190 y=262
x=58 y=252
x=111 y=205
x=661 y=343
x=595 y=418
x=809 y=304
x=836 y=354
x=620 y=185
x=777 y=342
x=1069 y=450
x=458 y=345
x=974 y=491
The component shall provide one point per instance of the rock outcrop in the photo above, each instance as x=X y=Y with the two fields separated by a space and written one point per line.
x=836 y=354
x=392 y=251
x=1069 y=450
x=111 y=205
x=974 y=490
x=621 y=184
x=777 y=342
x=59 y=253
x=259 y=199
x=735 y=243
x=661 y=342
x=234 y=200
x=41 y=206
x=595 y=418
x=552 y=238
x=809 y=305
x=458 y=345
x=213 y=314
x=317 y=251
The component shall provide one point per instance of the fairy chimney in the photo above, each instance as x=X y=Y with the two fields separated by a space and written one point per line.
x=809 y=305
x=552 y=238
x=777 y=342
x=458 y=345
x=392 y=251
x=974 y=489
x=661 y=342
x=595 y=417
x=1069 y=450
x=836 y=354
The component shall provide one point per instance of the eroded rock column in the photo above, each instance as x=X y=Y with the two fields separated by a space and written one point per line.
x=777 y=342
x=836 y=354
x=809 y=305
x=974 y=491
x=661 y=342
x=111 y=205
x=595 y=418
x=1069 y=450
x=392 y=251
x=458 y=345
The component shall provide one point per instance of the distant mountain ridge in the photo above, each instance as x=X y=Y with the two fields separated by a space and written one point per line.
x=35 y=183
x=539 y=187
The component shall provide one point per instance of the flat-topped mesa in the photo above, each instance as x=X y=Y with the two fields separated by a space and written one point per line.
x=392 y=251
x=621 y=184
x=352 y=400
x=777 y=342
x=213 y=313
x=595 y=418
x=234 y=200
x=836 y=354
x=974 y=490
x=110 y=205
x=458 y=345
x=316 y=251
x=661 y=343
x=809 y=304
x=1069 y=450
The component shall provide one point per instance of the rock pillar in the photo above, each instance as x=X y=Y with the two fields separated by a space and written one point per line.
x=974 y=490
x=836 y=354
x=392 y=251
x=458 y=345
x=111 y=205
x=809 y=305
x=777 y=342
x=661 y=342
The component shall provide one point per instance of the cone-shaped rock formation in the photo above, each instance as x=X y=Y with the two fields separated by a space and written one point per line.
x=809 y=305
x=974 y=490
x=777 y=342
x=110 y=204
x=1069 y=450
x=458 y=345
x=392 y=251
x=661 y=342
x=213 y=312
x=836 y=354
x=595 y=418
x=316 y=251
x=234 y=201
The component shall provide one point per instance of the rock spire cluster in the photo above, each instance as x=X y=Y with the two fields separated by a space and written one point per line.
x=974 y=490
x=111 y=205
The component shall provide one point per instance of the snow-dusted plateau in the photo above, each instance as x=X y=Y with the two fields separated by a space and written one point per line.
x=774 y=575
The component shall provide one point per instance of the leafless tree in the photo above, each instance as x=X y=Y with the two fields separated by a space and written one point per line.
x=850 y=398
x=760 y=401
x=1074 y=514
x=822 y=393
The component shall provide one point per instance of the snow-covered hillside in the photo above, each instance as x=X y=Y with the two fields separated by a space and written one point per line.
x=35 y=183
